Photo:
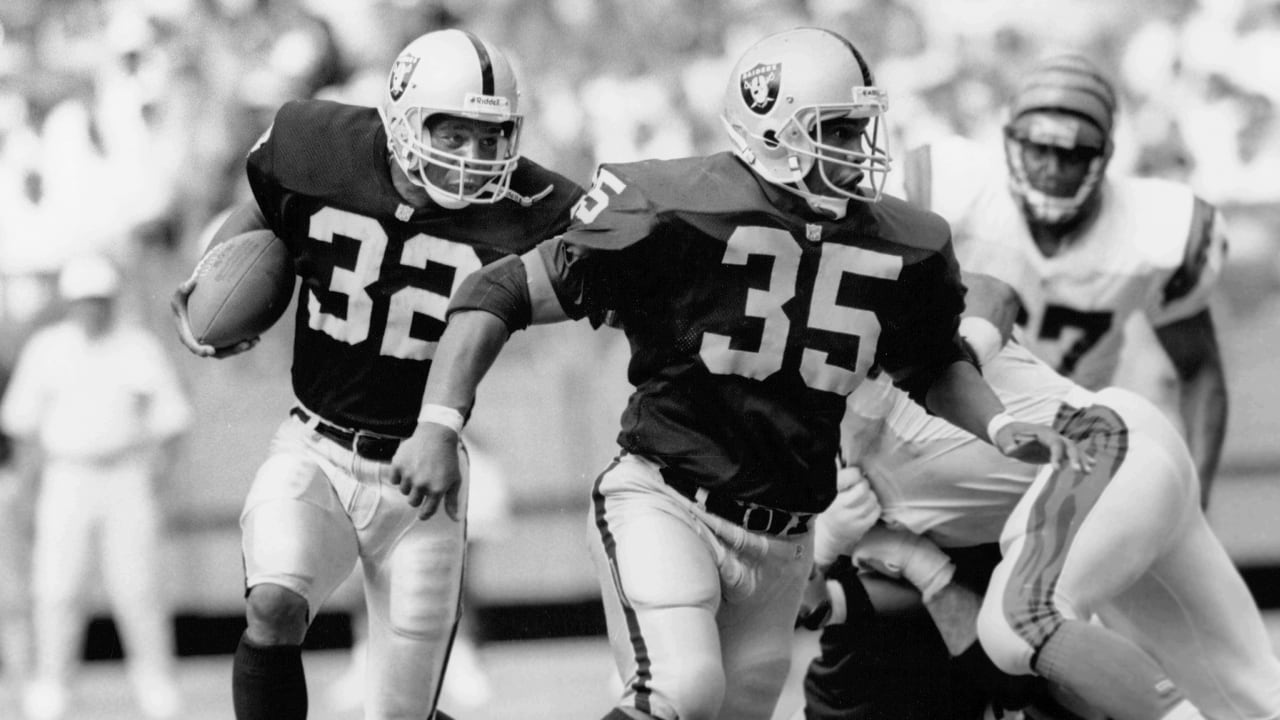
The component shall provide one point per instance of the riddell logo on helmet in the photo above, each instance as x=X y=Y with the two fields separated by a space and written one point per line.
x=401 y=71
x=487 y=104
x=760 y=87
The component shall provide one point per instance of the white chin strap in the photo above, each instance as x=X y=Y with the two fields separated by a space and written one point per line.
x=446 y=200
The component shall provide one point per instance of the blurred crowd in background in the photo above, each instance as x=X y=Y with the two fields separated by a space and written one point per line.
x=124 y=123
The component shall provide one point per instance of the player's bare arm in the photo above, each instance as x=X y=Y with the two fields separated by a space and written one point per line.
x=963 y=398
x=426 y=465
x=1192 y=346
x=244 y=218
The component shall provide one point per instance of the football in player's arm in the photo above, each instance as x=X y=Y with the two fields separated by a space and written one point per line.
x=1085 y=249
x=756 y=289
x=385 y=212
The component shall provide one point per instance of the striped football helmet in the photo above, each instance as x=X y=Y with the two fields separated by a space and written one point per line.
x=452 y=72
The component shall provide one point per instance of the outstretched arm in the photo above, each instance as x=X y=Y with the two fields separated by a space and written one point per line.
x=501 y=298
x=1192 y=346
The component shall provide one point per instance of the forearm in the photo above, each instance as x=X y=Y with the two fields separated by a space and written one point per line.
x=470 y=344
x=961 y=397
x=1203 y=407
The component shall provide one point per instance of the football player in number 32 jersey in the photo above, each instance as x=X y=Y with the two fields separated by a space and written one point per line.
x=385 y=212
x=1086 y=251
x=757 y=289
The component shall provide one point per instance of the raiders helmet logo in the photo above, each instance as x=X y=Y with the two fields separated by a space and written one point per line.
x=401 y=71
x=760 y=87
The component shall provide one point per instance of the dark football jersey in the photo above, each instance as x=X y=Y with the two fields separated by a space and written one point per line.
x=377 y=274
x=750 y=318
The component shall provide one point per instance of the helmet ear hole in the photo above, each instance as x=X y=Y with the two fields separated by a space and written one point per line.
x=770 y=139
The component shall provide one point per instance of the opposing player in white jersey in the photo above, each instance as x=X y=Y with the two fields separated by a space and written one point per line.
x=1126 y=540
x=1085 y=250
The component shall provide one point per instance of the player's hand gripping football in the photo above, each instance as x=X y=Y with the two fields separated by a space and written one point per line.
x=182 y=321
x=1039 y=445
x=426 y=468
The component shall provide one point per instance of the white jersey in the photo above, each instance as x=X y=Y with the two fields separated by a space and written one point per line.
x=933 y=477
x=1153 y=248
x=87 y=398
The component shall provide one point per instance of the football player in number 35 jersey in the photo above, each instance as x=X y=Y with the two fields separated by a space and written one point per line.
x=757 y=289
x=1084 y=250
x=385 y=212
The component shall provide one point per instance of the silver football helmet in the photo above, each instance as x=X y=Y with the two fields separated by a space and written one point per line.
x=780 y=92
x=452 y=72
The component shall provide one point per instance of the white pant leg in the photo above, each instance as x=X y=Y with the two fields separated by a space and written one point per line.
x=67 y=514
x=132 y=552
x=1076 y=541
x=295 y=531
x=413 y=589
x=757 y=633
x=1194 y=614
x=700 y=612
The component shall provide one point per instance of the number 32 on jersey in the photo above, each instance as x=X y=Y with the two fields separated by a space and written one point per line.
x=403 y=303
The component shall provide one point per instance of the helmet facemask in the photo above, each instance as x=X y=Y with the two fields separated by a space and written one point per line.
x=1075 y=141
x=781 y=93
x=1064 y=102
x=870 y=164
x=452 y=74
x=479 y=180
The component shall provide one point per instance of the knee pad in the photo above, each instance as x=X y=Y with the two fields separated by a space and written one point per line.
x=424 y=594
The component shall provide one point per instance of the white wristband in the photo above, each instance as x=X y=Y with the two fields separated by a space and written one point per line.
x=442 y=415
x=997 y=423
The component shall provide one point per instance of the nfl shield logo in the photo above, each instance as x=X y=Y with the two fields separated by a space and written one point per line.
x=759 y=87
x=813 y=233
x=401 y=71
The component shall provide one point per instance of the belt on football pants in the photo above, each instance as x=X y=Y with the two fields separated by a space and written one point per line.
x=756 y=518
x=371 y=446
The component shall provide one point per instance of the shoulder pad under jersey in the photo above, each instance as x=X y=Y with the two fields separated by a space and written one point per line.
x=627 y=201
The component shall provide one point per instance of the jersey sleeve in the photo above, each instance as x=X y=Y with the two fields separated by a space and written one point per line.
x=919 y=329
x=588 y=264
x=1188 y=289
x=260 y=169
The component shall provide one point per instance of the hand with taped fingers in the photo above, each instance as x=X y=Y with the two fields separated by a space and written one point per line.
x=182 y=322
x=854 y=510
x=426 y=469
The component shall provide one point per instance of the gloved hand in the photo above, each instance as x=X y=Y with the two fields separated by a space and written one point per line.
x=847 y=519
x=903 y=554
